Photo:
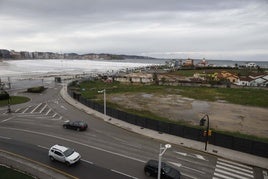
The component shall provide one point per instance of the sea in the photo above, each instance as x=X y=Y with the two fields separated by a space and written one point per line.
x=27 y=73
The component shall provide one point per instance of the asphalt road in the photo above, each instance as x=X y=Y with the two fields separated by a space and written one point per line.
x=107 y=151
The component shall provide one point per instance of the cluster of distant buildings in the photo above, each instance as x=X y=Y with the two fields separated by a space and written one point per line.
x=219 y=78
x=6 y=54
x=184 y=63
x=215 y=76
x=15 y=55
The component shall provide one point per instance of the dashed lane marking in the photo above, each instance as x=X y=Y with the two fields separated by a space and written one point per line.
x=121 y=173
x=5 y=120
x=2 y=137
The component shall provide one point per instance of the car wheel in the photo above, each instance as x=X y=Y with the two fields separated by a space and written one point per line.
x=51 y=158
x=147 y=173
x=78 y=129
x=68 y=164
x=64 y=127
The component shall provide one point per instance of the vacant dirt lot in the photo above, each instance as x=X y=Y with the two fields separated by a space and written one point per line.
x=222 y=115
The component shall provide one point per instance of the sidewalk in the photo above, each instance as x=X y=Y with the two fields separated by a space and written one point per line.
x=211 y=149
x=31 y=167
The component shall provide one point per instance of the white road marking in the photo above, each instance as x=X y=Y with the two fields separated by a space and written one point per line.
x=87 y=161
x=221 y=176
x=234 y=163
x=189 y=176
x=234 y=171
x=43 y=108
x=200 y=157
x=227 y=169
x=176 y=164
x=36 y=107
x=5 y=120
x=124 y=174
x=180 y=153
x=17 y=110
x=63 y=107
x=2 y=137
x=234 y=167
x=42 y=147
x=26 y=109
x=72 y=141
x=48 y=112
x=265 y=175
x=194 y=170
x=192 y=155
x=228 y=173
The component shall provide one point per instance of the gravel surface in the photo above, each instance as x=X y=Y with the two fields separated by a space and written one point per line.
x=222 y=115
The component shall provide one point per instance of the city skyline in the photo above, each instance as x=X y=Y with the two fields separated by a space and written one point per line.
x=224 y=30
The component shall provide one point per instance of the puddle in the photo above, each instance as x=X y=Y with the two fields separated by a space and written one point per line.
x=145 y=95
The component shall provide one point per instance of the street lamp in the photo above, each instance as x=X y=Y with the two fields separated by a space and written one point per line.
x=104 y=100
x=8 y=101
x=161 y=153
x=202 y=123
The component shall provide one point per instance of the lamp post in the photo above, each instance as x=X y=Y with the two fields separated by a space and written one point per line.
x=202 y=123
x=161 y=153
x=104 y=100
x=8 y=101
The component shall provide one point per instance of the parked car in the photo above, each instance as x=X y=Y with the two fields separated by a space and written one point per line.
x=63 y=154
x=76 y=125
x=167 y=172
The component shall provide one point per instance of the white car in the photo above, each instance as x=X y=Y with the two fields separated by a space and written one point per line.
x=63 y=154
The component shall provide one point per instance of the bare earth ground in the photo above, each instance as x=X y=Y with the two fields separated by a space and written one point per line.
x=222 y=115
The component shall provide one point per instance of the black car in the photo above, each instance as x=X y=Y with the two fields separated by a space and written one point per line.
x=167 y=172
x=76 y=125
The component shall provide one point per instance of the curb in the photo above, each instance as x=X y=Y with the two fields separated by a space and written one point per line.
x=31 y=167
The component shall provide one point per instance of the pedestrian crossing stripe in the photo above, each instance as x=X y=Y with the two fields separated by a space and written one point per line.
x=226 y=169
x=234 y=163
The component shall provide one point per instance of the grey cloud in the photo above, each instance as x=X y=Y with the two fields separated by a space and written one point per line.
x=135 y=26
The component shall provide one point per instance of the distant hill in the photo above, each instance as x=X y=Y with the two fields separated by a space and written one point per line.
x=6 y=54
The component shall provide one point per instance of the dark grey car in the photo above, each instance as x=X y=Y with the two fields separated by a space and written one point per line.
x=76 y=125
x=167 y=172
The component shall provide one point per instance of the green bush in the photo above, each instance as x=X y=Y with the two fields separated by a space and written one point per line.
x=4 y=95
x=38 y=89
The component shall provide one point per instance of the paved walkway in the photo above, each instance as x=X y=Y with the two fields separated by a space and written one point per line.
x=211 y=149
x=31 y=167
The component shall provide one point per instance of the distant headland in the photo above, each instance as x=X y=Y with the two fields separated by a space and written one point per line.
x=22 y=55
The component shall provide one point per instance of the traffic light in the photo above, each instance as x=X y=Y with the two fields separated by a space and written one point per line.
x=202 y=122
x=209 y=132
x=205 y=133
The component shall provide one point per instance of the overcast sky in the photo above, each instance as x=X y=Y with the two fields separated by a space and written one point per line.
x=211 y=29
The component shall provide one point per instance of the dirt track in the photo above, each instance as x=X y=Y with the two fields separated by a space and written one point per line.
x=222 y=115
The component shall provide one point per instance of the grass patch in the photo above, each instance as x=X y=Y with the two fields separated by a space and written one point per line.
x=9 y=173
x=14 y=100
x=242 y=96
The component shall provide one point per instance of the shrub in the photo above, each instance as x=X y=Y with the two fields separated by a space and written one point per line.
x=4 y=95
x=38 y=89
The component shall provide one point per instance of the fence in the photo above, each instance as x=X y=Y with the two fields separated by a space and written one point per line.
x=218 y=139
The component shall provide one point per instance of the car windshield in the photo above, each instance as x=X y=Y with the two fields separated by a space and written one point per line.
x=166 y=169
x=81 y=123
x=68 y=152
